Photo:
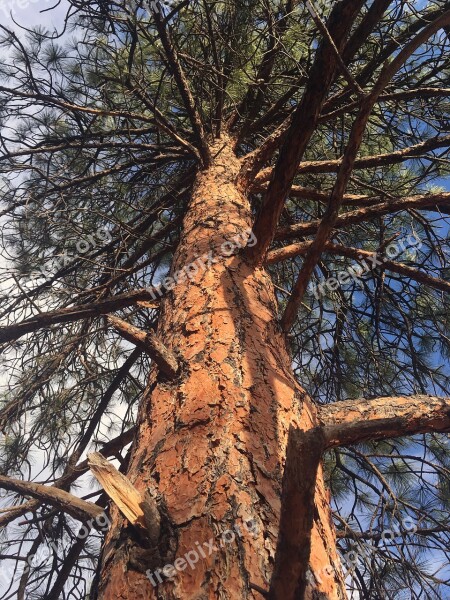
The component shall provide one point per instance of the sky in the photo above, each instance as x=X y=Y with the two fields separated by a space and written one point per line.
x=29 y=13
x=18 y=14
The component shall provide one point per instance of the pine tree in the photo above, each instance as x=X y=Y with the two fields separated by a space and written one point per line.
x=224 y=301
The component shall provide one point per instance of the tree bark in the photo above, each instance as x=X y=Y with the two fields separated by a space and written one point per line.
x=353 y=421
x=213 y=442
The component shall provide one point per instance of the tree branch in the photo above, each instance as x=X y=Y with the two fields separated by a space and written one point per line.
x=149 y=343
x=348 y=161
x=364 y=214
x=304 y=121
x=74 y=506
x=183 y=86
x=414 y=94
x=357 y=254
x=76 y=313
x=353 y=421
x=364 y=29
x=95 y=419
x=298 y=191
x=377 y=535
x=109 y=449
x=365 y=162
x=326 y=34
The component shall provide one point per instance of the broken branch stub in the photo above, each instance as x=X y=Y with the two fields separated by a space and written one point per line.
x=140 y=510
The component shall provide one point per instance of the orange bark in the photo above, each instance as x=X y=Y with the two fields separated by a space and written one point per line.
x=211 y=444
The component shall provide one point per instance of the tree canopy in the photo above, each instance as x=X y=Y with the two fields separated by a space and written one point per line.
x=339 y=113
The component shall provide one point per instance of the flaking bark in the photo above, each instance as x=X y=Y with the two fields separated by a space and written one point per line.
x=213 y=442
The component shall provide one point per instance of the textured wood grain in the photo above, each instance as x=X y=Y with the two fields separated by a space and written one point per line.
x=127 y=499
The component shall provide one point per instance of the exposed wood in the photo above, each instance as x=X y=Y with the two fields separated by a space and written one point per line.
x=353 y=421
x=146 y=303
x=109 y=449
x=72 y=505
x=118 y=488
x=141 y=511
x=149 y=343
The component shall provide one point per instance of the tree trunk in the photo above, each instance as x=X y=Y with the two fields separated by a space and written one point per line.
x=213 y=441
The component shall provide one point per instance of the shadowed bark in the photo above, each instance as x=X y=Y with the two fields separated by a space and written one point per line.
x=303 y=457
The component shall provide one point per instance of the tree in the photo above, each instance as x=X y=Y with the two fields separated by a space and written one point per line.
x=225 y=244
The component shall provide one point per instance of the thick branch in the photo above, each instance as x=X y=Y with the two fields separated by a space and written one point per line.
x=298 y=191
x=353 y=421
x=395 y=267
x=149 y=343
x=348 y=161
x=326 y=34
x=303 y=125
x=364 y=214
x=303 y=456
x=365 y=162
x=364 y=29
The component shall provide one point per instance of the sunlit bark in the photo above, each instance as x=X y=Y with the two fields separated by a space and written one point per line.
x=213 y=442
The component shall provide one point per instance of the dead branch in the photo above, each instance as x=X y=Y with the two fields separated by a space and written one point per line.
x=74 y=506
x=76 y=313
